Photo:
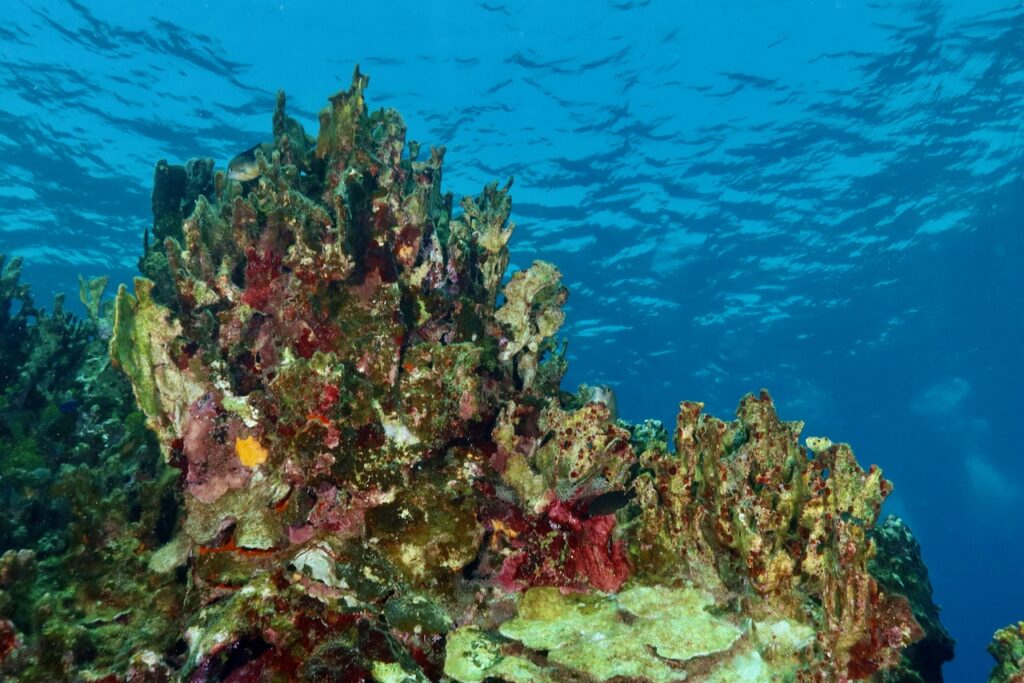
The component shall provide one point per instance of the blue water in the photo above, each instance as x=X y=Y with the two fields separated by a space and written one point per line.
x=820 y=198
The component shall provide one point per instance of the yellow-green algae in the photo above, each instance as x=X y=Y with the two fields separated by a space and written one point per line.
x=140 y=345
x=473 y=655
x=650 y=633
x=628 y=634
x=392 y=672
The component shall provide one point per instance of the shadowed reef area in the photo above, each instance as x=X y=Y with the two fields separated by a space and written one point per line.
x=324 y=439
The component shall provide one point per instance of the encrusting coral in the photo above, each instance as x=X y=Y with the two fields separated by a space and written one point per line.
x=382 y=480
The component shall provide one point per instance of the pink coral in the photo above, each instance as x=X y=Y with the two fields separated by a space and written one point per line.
x=561 y=548
x=209 y=447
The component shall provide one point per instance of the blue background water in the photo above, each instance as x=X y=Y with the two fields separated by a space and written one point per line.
x=821 y=198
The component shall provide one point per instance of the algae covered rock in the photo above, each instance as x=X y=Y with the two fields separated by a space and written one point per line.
x=1007 y=647
x=649 y=633
x=367 y=421
x=638 y=632
x=325 y=374
x=899 y=569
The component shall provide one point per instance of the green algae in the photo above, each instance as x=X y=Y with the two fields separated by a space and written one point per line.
x=899 y=568
x=21 y=459
x=532 y=314
x=393 y=672
x=90 y=292
x=141 y=347
x=87 y=499
x=473 y=656
x=484 y=225
x=644 y=633
x=1007 y=647
x=629 y=634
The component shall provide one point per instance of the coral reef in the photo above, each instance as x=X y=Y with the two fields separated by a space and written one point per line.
x=86 y=499
x=380 y=478
x=898 y=568
x=1007 y=647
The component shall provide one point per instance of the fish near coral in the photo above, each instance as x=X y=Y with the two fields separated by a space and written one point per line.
x=600 y=393
x=245 y=166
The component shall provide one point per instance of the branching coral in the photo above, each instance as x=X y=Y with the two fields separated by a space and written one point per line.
x=532 y=315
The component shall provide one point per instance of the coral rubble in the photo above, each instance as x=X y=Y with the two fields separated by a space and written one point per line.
x=380 y=478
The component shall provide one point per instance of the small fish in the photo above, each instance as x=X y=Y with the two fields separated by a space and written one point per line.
x=68 y=407
x=817 y=444
x=608 y=503
x=244 y=166
x=601 y=393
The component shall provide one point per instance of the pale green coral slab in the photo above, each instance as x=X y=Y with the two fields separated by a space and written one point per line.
x=471 y=656
x=140 y=345
x=630 y=634
x=392 y=672
x=747 y=667
x=649 y=633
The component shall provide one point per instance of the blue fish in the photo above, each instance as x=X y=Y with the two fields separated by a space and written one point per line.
x=68 y=407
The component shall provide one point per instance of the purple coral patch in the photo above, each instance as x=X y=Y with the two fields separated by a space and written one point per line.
x=208 y=439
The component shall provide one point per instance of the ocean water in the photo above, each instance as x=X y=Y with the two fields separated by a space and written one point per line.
x=821 y=198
